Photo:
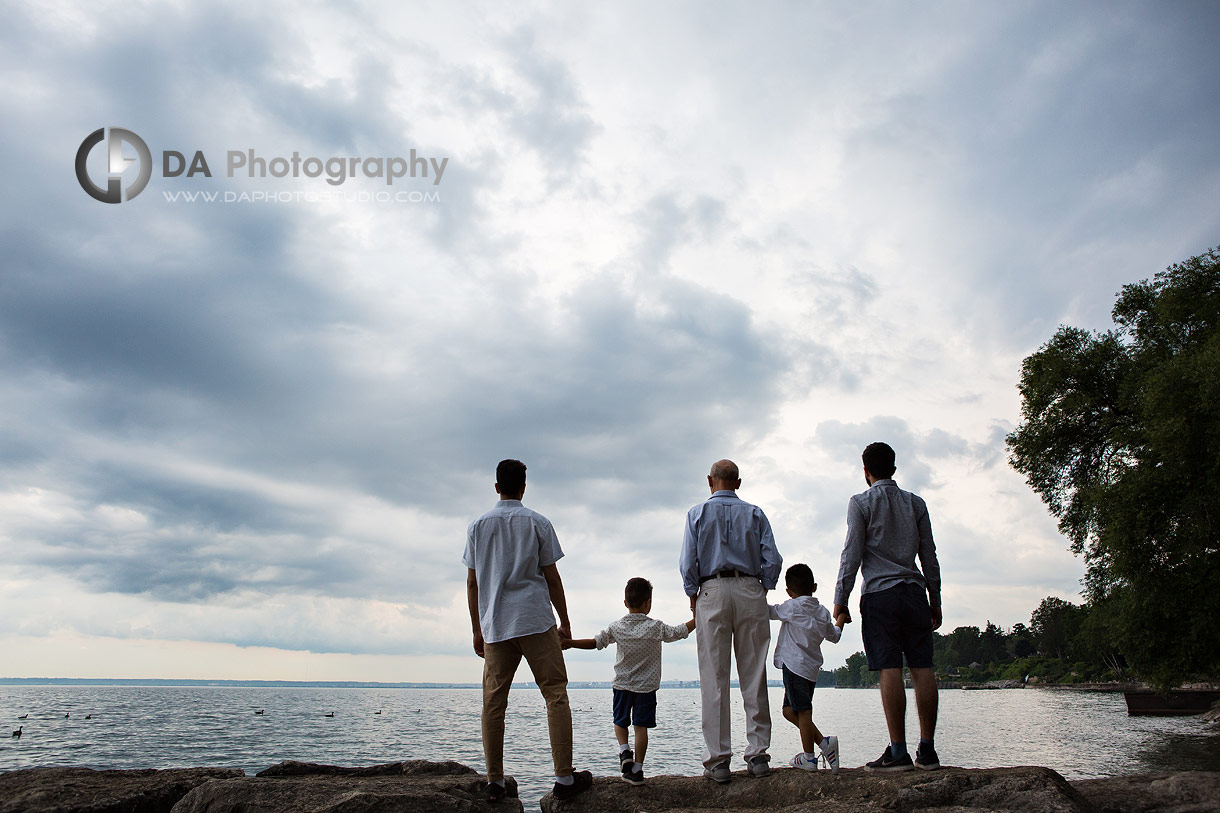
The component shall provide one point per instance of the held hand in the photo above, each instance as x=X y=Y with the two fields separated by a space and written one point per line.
x=936 y=618
x=842 y=612
x=842 y=620
x=565 y=643
x=565 y=634
x=478 y=643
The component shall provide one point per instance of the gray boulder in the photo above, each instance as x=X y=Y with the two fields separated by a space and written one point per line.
x=790 y=790
x=77 y=790
x=416 y=785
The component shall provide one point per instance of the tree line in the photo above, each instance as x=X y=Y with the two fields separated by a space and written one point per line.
x=1062 y=643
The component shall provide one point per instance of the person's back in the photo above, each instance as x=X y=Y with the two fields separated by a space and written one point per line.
x=887 y=530
x=805 y=624
x=892 y=530
x=508 y=547
x=512 y=582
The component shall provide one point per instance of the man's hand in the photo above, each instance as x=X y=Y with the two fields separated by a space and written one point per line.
x=478 y=643
x=693 y=599
x=842 y=612
x=565 y=633
x=842 y=620
x=936 y=617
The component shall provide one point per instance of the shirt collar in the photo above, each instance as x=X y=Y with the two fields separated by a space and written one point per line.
x=508 y=503
x=888 y=481
x=725 y=493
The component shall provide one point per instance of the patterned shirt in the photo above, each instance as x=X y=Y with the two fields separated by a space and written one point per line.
x=887 y=528
x=637 y=664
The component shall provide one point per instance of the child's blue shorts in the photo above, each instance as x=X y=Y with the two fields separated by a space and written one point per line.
x=798 y=691
x=635 y=708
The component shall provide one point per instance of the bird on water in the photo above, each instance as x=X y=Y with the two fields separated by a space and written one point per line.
x=260 y=711
x=329 y=714
x=23 y=716
x=17 y=733
x=377 y=712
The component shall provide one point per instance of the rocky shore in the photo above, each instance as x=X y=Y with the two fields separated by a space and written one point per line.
x=421 y=786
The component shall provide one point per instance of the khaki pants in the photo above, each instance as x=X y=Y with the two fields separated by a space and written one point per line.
x=731 y=617
x=545 y=658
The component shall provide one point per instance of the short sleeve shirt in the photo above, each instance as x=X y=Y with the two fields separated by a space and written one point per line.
x=637 y=662
x=507 y=548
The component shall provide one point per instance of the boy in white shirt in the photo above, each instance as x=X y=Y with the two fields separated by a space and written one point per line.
x=637 y=671
x=798 y=652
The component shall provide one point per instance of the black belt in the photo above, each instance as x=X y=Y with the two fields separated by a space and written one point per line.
x=727 y=574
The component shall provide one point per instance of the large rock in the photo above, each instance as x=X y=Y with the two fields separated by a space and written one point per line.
x=790 y=790
x=1186 y=792
x=77 y=790
x=416 y=785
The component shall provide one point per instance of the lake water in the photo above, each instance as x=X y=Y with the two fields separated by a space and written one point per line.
x=1079 y=734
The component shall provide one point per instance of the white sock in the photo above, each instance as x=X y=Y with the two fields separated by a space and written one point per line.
x=622 y=746
x=565 y=780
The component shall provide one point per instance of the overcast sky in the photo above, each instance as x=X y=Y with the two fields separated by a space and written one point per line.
x=244 y=439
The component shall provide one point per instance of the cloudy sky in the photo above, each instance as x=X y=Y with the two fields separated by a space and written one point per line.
x=243 y=439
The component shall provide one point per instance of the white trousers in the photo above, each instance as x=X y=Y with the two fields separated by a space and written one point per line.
x=731 y=616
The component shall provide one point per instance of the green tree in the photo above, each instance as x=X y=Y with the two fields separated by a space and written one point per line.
x=1120 y=436
x=1055 y=626
x=1021 y=642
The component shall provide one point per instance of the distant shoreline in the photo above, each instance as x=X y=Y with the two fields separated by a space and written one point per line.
x=314 y=684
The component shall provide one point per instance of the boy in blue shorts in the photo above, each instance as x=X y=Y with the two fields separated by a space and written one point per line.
x=637 y=671
x=798 y=653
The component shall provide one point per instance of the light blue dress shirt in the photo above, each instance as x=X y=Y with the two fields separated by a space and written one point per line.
x=728 y=533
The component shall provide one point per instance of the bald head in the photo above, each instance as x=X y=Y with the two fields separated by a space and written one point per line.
x=724 y=476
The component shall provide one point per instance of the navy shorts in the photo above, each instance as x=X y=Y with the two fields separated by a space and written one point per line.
x=635 y=708
x=897 y=622
x=798 y=691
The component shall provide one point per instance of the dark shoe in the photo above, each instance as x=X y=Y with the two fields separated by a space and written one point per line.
x=926 y=759
x=497 y=792
x=581 y=781
x=720 y=773
x=635 y=777
x=758 y=766
x=625 y=758
x=886 y=762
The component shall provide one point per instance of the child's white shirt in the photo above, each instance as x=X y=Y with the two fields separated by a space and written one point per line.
x=806 y=623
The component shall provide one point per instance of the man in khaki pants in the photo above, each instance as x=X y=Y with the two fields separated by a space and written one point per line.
x=728 y=563
x=511 y=584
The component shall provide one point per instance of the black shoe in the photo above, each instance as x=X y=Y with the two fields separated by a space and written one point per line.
x=581 y=781
x=625 y=758
x=886 y=762
x=926 y=759
x=497 y=792
x=635 y=777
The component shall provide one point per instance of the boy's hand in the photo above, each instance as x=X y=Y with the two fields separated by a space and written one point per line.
x=842 y=620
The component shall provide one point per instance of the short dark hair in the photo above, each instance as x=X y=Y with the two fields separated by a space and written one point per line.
x=637 y=592
x=879 y=460
x=510 y=476
x=799 y=579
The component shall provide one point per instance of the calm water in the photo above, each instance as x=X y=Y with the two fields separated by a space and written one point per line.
x=1079 y=734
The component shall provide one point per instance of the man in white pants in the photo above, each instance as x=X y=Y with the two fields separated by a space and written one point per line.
x=728 y=563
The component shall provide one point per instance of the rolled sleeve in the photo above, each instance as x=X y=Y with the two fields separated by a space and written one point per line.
x=604 y=638
x=674 y=632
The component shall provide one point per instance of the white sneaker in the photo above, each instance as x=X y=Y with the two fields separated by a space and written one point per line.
x=806 y=762
x=830 y=750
